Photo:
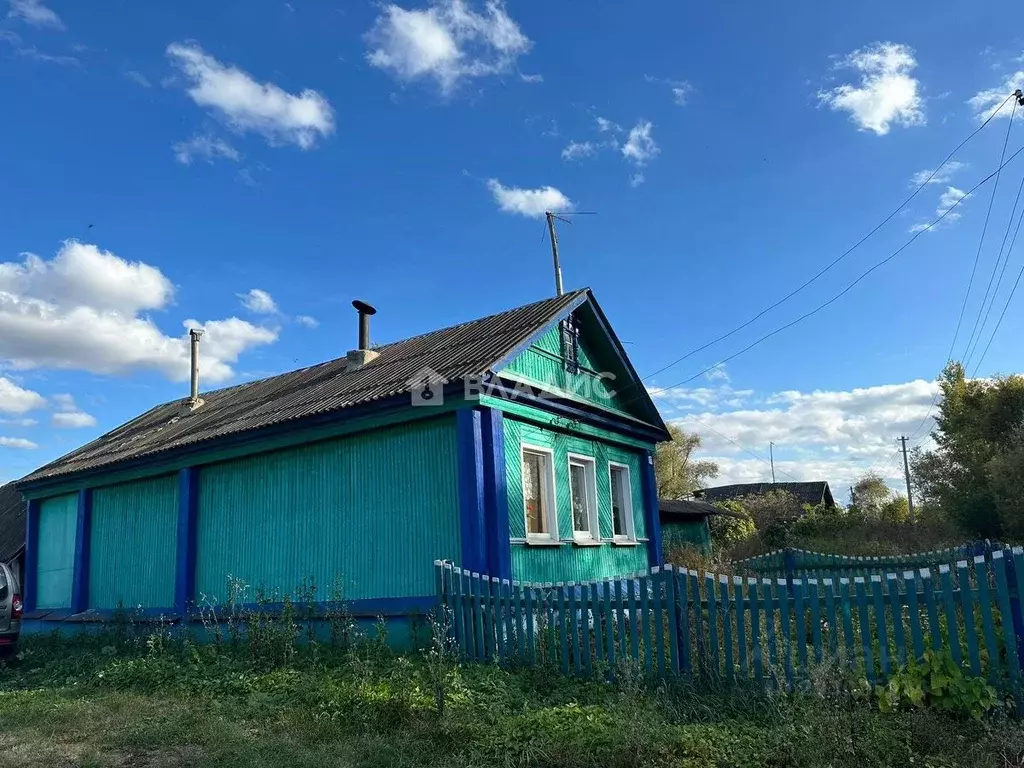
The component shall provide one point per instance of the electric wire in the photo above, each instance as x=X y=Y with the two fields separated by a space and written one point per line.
x=839 y=258
x=852 y=284
x=981 y=241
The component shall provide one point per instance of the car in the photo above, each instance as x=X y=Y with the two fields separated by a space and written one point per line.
x=10 y=612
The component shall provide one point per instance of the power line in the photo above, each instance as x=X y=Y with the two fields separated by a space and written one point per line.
x=981 y=241
x=850 y=286
x=842 y=256
x=1001 y=314
x=976 y=339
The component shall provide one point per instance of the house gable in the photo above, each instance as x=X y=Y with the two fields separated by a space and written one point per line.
x=605 y=377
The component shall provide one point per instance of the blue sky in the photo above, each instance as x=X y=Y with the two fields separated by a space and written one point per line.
x=162 y=161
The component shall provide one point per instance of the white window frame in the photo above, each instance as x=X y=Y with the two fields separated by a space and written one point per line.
x=589 y=464
x=627 y=501
x=547 y=481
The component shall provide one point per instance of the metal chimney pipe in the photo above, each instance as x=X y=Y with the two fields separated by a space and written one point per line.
x=365 y=311
x=195 y=335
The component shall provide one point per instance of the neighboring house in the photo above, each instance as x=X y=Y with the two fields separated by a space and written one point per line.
x=366 y=469
x=686 y=523
x=12 y=529
x=813 y=493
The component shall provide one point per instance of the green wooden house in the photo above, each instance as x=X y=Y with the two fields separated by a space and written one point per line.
x=517 y=445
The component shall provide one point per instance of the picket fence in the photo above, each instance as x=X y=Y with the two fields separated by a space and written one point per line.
x=775 y=632
x=792 y=562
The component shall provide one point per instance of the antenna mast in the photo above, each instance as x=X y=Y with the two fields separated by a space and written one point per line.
x=554 y=252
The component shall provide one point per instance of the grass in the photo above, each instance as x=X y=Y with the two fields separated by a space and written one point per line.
x=148 y=700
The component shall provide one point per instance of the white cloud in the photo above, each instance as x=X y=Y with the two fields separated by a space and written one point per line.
x=942 y=176
x=820 y=435
x=206 y=147
x=528 y=202
x=17 y=442
x=950 y=197
x=83 y=275
x=640 y=146
x=604 y=125
x=14 y=399
x=538 y=78
x=247 y=105
x=577 y=149
x=69 y=415
x=138 y=78
x=448 y=41
x=35 y=13
x=985 y=103
x=887 y=93
x=259 y=301
x=636 y=180
x=307 y=321
x=681 y=93
x=82 y=310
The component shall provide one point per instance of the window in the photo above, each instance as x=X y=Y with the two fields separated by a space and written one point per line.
x=570 y=345
x=583 y=494
x=539 y=495
x=622 y=502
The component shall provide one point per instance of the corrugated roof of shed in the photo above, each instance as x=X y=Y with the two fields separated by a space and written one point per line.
x=469 y=348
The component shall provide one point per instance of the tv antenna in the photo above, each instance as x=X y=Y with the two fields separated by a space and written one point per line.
x=560 y=215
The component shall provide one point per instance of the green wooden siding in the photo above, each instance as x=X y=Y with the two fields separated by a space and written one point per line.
x=58 y=521
x=686 y=534
x=543 y=363
x=133 y=544
x=570 y=562
x=373 y=510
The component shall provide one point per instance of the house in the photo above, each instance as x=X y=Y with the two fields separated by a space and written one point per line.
x=813 y=493
x=12 y=529
x=518 y=445
x=687 y=523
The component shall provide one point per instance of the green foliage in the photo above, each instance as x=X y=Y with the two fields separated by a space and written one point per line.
x=870 y=495
x=677 y=472
x=936 y=681
x=731 y=529
x=974 y=474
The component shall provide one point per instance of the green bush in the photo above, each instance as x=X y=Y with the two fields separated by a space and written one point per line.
x=936 y=681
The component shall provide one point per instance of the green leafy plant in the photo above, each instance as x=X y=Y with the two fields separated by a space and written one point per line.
x=936 y=681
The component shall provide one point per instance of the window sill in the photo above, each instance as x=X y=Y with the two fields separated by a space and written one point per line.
x=625 y=543
x=586 y=543
x=542 y=543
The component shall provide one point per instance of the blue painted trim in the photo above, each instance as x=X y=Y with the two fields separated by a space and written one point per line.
x=498 y=537
x=469 y=438
x=580 y=300
x=28 y=589
x=651 y=518
x=366 y=608
x=185 y=569
x=83 y=545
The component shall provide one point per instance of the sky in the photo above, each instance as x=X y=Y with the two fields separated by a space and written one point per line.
x=251 y=167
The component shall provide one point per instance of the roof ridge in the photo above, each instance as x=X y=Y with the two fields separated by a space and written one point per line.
x=382 y=346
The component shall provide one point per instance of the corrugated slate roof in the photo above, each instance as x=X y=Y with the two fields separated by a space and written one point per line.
x=816 y=492
x=12 y=522
x=471 y=348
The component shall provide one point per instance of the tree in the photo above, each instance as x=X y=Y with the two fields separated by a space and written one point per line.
x=974 y=474
x=678 y=473
x=870 y=495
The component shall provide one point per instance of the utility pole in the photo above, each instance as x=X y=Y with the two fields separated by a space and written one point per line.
x=771 y=456
x=554 y=252
x=906 y=472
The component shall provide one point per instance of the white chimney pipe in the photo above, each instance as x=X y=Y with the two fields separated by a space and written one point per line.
x=195 y=336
